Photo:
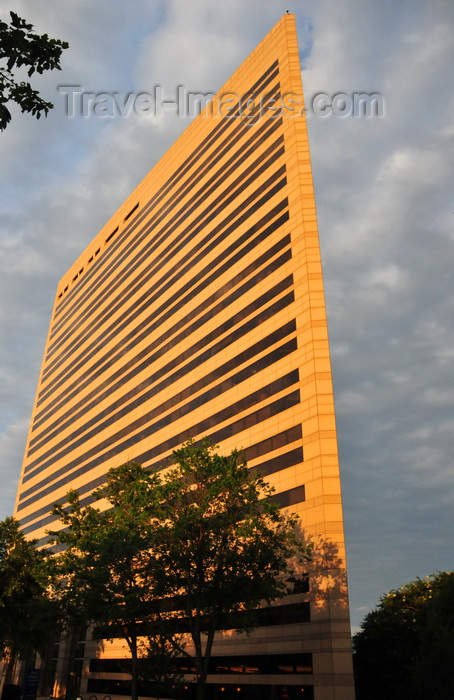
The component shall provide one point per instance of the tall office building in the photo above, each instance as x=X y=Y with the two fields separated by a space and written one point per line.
x=198 y=310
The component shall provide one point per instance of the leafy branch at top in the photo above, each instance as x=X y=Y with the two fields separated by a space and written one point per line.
x=19 y=47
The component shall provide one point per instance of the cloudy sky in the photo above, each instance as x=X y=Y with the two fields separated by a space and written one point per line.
x=384 y=189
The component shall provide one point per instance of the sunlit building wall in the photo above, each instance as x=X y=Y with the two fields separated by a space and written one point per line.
x=199 y=310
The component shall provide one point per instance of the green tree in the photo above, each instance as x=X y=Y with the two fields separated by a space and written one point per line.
x=159 y=662
x=224 y=544
x=19 y=46
x=107 y=573
x=195 y=548
x=433 y=674
x=28 y=618
x=405 y=648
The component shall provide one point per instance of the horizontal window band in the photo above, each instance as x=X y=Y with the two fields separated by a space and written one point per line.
x=267 y=616
x=279 y=462
x=240 y=215
x=227 y=431
x=113 y=439
x=112 y=414
x=136 y=254
x=181 y=296
x=228 y=690
x=78 y=410
x=259 y=449
x=54 y=454
x=154 y=321
x=75 y=413
x=168 y=255
x=285 y=499
x=192 y=161
x=200 y=428
x=274 y=442
x=130 y=248
x=246 y=663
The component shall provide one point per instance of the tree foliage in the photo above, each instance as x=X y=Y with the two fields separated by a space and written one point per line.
x=193 y=549
x=159 y=663
x=107 y=573
x=405 y=648
x=28 y=618
x=225 y=545
x=19 y=46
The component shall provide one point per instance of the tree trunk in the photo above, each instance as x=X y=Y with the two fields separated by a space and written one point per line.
x=202 y=673
x=132 y=642
x=201 y=687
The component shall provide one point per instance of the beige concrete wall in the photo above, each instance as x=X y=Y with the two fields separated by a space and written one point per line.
x=162 y=271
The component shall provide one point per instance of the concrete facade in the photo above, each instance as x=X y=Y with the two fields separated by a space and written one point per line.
x=199 y=310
